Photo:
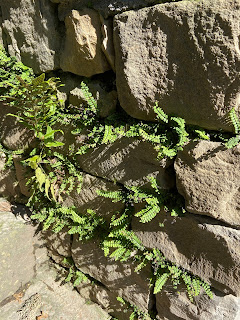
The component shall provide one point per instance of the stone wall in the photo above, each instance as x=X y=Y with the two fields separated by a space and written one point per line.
x=186 y=56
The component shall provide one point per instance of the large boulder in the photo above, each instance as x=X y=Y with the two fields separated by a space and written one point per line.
x=118 y=277
x=88 y=197
x=13 y=134
x=82 y=53
x=30 y=31
x=175 y=306
x=185 y=56
x=197 y=244
x=129 y=161
x=208 y=176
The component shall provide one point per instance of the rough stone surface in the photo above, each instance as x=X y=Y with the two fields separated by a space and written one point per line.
x=9 y=186
x=58 y=242
x=175 y=306
x=105 y=298
x=16 y=251
x=13 y=135
x=184 y=55
x=107 y=42
x=31 y=33
x=106 y=101
x=117 y=276
x=199 y=245
x=82 y=54
x=128 y=161
x=89 y=199
x=208 y=176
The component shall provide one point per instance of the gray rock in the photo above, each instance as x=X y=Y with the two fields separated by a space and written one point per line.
x=118 y=277
x=82 y=53
x=106 y=101
x=129 y=161
x=197 y=244
x=174 y=306
x=16 y=253
x=31 y=33
x=185 y=56
x=59 y=300
x=208 y=176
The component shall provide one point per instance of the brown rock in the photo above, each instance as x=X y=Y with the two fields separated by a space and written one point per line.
x=106 y=101
x=129 y=161
x=197 y=244
x=116 y=276
x=82 y=52
x=9 y=186
x=89 y=199
x=208 y=176
x=13 y=135
x=174 y=306
x=184 y=55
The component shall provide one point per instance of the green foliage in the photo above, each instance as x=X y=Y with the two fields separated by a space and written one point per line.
x=76 y=277
x=11 y=71
x=54 y=176
x=233 y=141
x=137 y=313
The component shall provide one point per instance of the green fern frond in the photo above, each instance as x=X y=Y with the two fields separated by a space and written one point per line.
x=161 y=115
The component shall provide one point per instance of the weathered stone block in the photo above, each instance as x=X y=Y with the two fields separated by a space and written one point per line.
x=116 y=276
x=31 y=33
x=106 y=101
x=129 y=161
x=89 y=199
x=9 y=186
x=13 y=135
x=184 y=55
x=197 y=244
x=82 y=53
x=208 y=176
x=174 y=306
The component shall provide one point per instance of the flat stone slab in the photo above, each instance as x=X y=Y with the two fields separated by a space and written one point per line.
x=25 y=270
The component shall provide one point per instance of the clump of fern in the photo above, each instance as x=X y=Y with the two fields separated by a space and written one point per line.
x=232 y=142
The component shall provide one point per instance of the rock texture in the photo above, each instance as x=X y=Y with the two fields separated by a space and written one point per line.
x=208 y=176
x=24 y=257
x=117 y=276
x=16 y=251
x=82 y=54
x=106 y=101
x=174 y=306
x=9 y=186
x=30 y=31
x=89 y=199
x=13 y=135
x=128 y=161
x=184 y=55
x=199 y=245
